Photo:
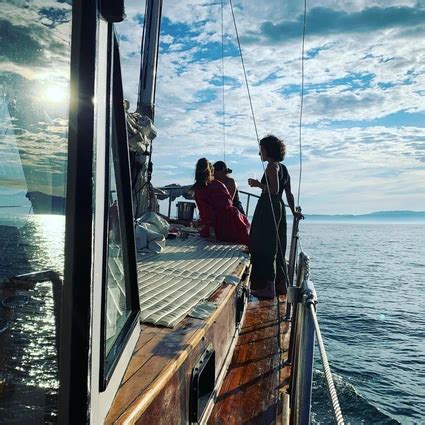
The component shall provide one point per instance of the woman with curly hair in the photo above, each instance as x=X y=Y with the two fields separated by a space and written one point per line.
x=219 y=218
x=268 y=274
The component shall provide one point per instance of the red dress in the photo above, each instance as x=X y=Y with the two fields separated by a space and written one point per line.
x=216 y=209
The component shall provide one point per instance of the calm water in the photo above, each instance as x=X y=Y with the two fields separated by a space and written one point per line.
x=370 y=280
x=370 y=283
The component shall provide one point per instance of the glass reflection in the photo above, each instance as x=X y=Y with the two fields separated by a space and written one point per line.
x=117 y=309
x=34 y=95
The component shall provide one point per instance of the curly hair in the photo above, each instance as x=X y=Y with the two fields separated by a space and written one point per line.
x=204 y=173
x=274 y=147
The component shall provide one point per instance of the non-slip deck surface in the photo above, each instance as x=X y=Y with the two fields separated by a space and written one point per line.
x=250 y=391
x=172 y=283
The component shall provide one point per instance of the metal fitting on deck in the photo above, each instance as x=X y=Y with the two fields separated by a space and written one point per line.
x=309 y=297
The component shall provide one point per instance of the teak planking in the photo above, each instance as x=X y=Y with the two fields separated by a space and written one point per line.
x=252 y=391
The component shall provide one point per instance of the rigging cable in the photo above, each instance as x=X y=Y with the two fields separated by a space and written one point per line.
x=256 y=133
x=279 y=333
x=301 y=102
x=222 y=81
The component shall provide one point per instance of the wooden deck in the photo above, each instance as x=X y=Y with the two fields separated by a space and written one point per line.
x=154 y=389
x=251 y=392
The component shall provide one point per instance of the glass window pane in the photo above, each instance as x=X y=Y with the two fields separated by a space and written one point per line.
x=117 y=307
x=34 y=95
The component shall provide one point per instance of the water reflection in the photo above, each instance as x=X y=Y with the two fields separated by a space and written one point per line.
x=34 y=98
x=28 y=348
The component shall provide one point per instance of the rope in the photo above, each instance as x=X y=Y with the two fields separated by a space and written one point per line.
x=302 y=102
x=328 y=375
x=255 y=127
x=222 y=82
x=279 y=335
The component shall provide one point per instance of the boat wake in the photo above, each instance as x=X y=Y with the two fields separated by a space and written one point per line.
x=355 y=408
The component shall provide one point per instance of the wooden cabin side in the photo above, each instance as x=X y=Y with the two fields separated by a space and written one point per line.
x=156 y=387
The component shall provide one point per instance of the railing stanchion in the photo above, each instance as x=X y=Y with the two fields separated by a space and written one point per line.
x=304 y=328
x=303 y=272
x=292 y=256
x=303 y=371
x=169 y=203
x=247 y=204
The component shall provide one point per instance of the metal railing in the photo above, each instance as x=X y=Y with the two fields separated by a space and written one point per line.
x=172 y=189
x=304 y=329
x=292 y=258
x=248 y=198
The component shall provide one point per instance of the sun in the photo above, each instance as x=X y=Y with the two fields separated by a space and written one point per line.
x=55 y=93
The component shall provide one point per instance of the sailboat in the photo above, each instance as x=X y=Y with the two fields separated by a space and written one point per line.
x=169 y=338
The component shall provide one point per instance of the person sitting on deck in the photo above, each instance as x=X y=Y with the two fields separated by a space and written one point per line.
x=221 y=172
x=219 y=218
x=267 y=249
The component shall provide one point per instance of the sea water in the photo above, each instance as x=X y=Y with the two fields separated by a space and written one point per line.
x=370 y=282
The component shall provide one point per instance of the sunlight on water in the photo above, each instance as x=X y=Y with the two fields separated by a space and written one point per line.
x=30 y=344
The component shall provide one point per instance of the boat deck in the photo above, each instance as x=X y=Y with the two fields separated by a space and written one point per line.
x=155 y=386
x=185 y=274
x=252 y=390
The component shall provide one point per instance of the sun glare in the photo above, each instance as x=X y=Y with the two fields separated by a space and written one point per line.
x=55 y=93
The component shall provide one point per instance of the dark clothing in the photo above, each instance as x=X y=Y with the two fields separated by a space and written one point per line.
x=268 y=262
x=237 y=202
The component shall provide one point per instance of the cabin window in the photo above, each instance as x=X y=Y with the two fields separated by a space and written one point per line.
x=34 y=96
x=120 y=300
x=115 y=325
x=117 y=307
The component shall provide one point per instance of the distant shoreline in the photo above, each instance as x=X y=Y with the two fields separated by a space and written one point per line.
x=379 y=216
x=375 y=217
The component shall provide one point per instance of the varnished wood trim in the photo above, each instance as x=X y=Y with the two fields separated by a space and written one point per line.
x=227 y=361
x=142 y=401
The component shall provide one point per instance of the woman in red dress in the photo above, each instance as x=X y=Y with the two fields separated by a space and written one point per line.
x=219 y=218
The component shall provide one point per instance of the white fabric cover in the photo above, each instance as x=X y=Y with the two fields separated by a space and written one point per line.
x=151 y=231
x=185 y=273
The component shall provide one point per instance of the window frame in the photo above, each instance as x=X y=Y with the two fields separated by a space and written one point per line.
x=115 y=141
x=76 y=294
x=86 y=392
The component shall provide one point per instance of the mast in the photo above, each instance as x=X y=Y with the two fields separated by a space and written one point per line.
x=149 y=63
x=141 y=159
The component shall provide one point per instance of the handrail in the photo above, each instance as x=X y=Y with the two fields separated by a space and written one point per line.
x=171 y=189
x=304 y=326
x=248 y=199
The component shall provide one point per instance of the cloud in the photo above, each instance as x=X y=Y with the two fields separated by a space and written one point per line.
x=363 y=135
x=325 y=21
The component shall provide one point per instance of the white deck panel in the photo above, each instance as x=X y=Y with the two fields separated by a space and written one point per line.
x=188 y=271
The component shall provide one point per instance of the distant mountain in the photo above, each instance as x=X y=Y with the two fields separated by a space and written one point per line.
x=374 y=216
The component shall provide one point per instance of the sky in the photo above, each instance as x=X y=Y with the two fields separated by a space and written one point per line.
x=363 y=135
